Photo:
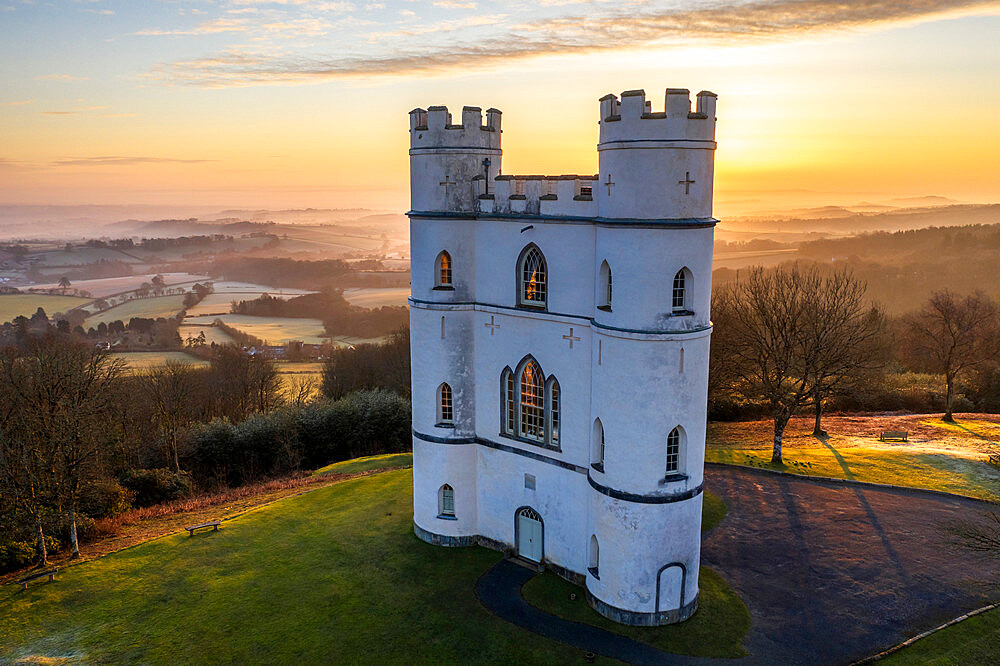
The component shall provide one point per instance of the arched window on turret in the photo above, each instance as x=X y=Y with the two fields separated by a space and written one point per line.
x=442 y=271
x=674 y=441
x=597 y=446
x=446 y=502
x=604 y=287
x=595 y=557
x=445 y=406
x=507 y=409
x=532 y=278
x=681 y=296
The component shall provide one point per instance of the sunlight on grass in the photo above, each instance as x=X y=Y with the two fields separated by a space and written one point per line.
x=937 y=471
x=978 y=428
x=387 y=461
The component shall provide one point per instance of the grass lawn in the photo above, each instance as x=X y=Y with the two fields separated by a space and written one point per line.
x=974 y=641
x=387 y=461
x=150 y=308
x=332 y=576
x=17 y=305
x=939 y=456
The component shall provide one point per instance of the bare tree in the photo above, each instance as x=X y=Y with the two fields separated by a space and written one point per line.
x=170 y=390
x=782 y=333
x=982 y=538
x=952 y=335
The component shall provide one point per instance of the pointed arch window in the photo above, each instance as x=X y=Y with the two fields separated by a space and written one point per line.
x=446 y=407
x=674 y=451
x=597 y=453
x=508 y=409
x=530 y=404
x=604 y=287
x=532 y=274
x=680 y=296
x=446 y=502
x=442 y=271
x=595 y=557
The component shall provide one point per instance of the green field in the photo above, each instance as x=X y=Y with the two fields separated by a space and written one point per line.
x=358 y=465
x=970 y=642
x=212 y=334
x=331 y=576
x=16 y=305
x=273 y=330
x=149 y=308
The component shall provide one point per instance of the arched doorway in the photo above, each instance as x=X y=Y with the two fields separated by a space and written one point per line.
x=670 y=581
x=528 y=526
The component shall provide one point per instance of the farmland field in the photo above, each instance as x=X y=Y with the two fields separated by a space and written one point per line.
x=212 y=334
x=229 y=287
x=273 y=330
x=14 y=305
x=377 y=296
x=144 y=360
x=103 y=287
x=151 y=308
x=81 y=255
x=219 y=302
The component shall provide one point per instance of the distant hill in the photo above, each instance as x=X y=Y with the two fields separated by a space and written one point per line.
x=856 y=223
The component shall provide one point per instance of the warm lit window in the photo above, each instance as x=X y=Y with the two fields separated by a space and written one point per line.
x=533 y=278
x=532 y=403
x=508 y=409
x=443 y=270
x=674 y=451
x=679 y=302
x=446 y=414
x=604 y=285
x=446 y=501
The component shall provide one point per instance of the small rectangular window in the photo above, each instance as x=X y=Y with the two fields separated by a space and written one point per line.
x=529 y=481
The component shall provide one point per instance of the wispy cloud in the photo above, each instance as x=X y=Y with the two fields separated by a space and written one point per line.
x=118 y=160
x=73 y=112
x=60 y=77
x=602 y=27
x=452 y=4
x=20 y=102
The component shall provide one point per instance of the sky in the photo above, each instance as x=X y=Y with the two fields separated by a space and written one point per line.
x=297 y=103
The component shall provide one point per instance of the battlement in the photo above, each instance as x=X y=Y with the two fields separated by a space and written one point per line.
x=538 y=195
x=433 y=128
x=632 y=117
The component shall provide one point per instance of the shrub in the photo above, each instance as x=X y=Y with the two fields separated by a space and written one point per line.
x=15 y=555
x=153 y=486
x=105 y=498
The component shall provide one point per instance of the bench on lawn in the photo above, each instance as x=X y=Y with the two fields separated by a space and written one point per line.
x=214 y=524
x=892 y=436
x=995 y=458
x=47 y=573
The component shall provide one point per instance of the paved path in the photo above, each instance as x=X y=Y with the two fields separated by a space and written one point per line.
x=499 y=590
x=832 y=572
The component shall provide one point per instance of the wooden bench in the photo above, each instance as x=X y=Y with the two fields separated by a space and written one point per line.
x=214 y=524
x=995 y=458
x=893 y=436
x=48 y=573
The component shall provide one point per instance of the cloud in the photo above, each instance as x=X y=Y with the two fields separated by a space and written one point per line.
x=254 y=25
x=116 y=160
x=451 y=4
x=21 y=102
x=72 y=112
x=602 y=27
x=60 y=77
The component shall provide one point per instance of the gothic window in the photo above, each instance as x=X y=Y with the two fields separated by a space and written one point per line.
x=446 y=501
x=446 y=414
x=604 y=285
x=674 y=451
x=597 y=455
x=532 y=278
x=442 y=270
x=680 y=300
x=595 y=557
x=532 y=403
x=553 y=393
x=508 y=409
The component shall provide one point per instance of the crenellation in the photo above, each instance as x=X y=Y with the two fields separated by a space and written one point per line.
x=633 y=119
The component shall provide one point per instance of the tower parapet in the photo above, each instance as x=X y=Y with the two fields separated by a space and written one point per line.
x=656 y=164
x=446 y=157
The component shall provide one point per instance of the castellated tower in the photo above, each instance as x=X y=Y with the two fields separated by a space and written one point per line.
x=560 y=332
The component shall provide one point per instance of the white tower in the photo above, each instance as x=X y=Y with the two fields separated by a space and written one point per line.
x=560 y=332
